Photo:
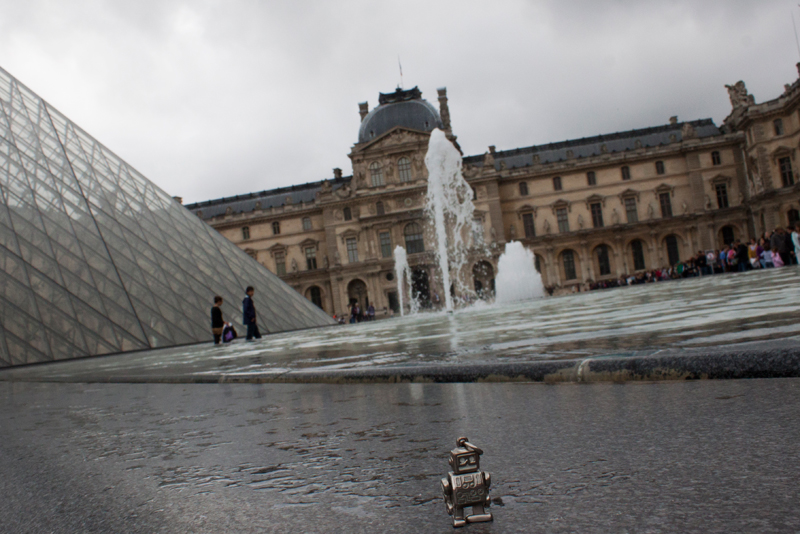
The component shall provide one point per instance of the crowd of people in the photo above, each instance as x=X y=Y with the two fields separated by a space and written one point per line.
x=357 y=315
x=778 y=248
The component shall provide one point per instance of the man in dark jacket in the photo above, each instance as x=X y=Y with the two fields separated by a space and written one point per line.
x=780 y=244
x=249 y=311
x=742 y=256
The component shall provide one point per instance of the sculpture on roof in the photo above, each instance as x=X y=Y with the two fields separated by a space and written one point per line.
x=739 y=96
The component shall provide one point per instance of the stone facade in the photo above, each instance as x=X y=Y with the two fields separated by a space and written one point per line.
x=590 y=209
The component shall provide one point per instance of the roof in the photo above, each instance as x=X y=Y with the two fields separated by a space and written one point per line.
x=271 y=198
x=401 y=108
x=593 y=146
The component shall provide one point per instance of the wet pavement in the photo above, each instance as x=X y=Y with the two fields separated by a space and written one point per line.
x=699 y=456
x=638 y=321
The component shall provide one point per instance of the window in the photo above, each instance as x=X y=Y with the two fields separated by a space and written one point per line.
x=659 y=167
x=597 y=214
x=527 y=224
x=563 y=221
x=728 y=235
x=404 y=169
x=352 y=249
x=778 y=125
x=626 y=173
x=722 y=195
x=386 y=244
x=666 y=205
x=478 y=231
x=672 y=249
x=377 y=174
x=715 y=159
x=306 y=224
x=638 y=255
x=602 y=260
x=379 y=208
x=523 y=189
x=787 y=176
x=413 y=235
x=348 y=215
x=280 y=263
x=245 y=232
x=315 y=296
x=630 y=210
x=474 y=194
x=276 y=228
x=557 y=183
x=591 y=178
x=569 y=265
x=311 y=258
x=793 y=216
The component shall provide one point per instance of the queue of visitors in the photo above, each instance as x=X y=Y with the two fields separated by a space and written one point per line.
x=773 y=249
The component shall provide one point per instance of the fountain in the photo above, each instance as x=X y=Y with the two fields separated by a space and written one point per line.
x=401 y=271
x=449 y=206
x=517 y=277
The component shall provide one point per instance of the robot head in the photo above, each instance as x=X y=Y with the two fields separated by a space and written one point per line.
x=465 y=458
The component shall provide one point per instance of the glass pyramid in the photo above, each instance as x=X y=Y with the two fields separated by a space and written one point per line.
x=95 y=259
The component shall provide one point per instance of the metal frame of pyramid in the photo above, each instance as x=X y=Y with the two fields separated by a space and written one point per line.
x=96 y=259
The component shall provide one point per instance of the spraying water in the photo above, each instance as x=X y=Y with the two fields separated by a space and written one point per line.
x=517 y=277
x=449 y=205
x=400 y=270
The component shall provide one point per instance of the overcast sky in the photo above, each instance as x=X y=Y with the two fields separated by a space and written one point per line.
x=212 y=99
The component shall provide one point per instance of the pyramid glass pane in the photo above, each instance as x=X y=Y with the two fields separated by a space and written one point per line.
x=96 y=259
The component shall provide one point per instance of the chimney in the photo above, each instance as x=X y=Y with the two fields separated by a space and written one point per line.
x=363 y=109
x=673 y=119
x=492 y=149
x=444 y=111
x=337 y=172
x=179 y=200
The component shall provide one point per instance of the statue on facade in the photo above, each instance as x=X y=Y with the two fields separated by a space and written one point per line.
x=708 y=202
x=547 y=226
x=337 y=259
x=685 y=208
x=493 y=233
x=614 y=216
x=651 y=212
x=580 y=221
x=738 y=95
x=512 y=232
x=325 y=263
x=294 y=265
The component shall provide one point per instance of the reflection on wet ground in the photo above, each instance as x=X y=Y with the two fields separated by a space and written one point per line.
x=700 y=312
x=717 y=456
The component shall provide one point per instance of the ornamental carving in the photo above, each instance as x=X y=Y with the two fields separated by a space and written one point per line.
x=739 y=96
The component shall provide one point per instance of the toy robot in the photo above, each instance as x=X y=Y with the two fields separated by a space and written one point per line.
x=466 y=486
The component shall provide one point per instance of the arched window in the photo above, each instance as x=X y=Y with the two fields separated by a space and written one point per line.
x=314 y=294
x=793 y=217
x=557 y=183
x=276 y=228
x=347 y=214
x=245 y=232
x=728 y=235
x=626 y=172
x=603 y=263
x=672 y=249
x=306 y=224
x=377 y=174
x=413 y=235
x=404 y=169
x=568 y=257
x=638 y=255
x=523 y=189
x=379 y=208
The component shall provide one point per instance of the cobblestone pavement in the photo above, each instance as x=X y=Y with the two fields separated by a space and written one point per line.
x=699 y=456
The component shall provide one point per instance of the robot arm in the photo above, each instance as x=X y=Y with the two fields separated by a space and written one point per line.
x=447 y=493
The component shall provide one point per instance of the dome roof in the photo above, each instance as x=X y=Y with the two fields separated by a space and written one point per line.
x=401 y=108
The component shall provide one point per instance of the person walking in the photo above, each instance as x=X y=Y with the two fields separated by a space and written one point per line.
x=780 y=246
x=217 y=323
x=796 y=242
x=249 y=315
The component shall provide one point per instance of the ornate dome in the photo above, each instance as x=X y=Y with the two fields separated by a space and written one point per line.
x=401 y=108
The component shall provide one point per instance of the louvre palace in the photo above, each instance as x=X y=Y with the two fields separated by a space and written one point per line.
x=96 y=259
x=590 y=209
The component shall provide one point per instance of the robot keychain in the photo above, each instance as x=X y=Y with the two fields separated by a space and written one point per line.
x=466 y=486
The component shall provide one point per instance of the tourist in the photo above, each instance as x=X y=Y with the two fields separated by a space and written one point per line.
x=701 y=263
x=355 y=313
x=217 y=323
x=723 y=259
x=742 y=256
x=731 y=257
x=796 y=243
x=371 y=312
x=780 y=247
x=766 y=257
x=752 y=253
x=249 y=315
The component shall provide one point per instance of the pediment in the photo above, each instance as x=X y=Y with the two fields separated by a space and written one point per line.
x=396 y=136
